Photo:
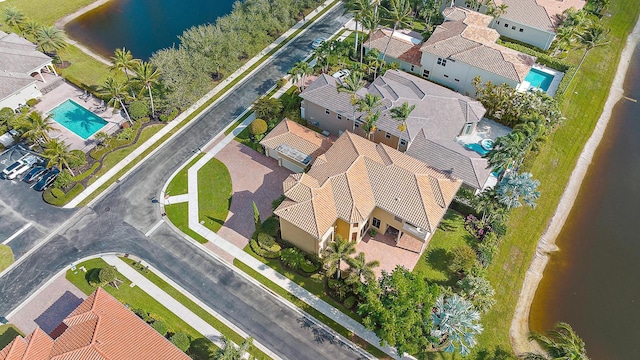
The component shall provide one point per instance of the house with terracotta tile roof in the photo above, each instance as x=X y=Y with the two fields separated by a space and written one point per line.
x=358 y=185
x=294 y=146
x=443 y=130
x=533 y=22
x=19 y=62
x=100 y=328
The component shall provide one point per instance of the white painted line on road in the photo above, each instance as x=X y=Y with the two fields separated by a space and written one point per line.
x=17 y=233
x=154 y=228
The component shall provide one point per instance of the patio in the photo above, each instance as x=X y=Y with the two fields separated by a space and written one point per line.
x=383 y=248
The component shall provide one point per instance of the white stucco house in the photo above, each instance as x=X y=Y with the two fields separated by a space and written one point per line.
x=460 y=49
x=21 y=67
x=533 y=22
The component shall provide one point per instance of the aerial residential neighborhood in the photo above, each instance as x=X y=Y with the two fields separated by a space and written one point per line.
x=302 y=179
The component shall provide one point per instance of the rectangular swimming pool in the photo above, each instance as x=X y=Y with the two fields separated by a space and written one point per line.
x=539 y=79
x=79 y=120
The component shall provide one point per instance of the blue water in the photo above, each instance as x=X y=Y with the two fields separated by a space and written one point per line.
x=79 y=120
x=539 y=79
x=477 y=148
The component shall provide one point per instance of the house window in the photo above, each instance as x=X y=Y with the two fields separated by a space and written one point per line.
x=498 y=22
x=356 y=125
x=513 y=27
x=442 y=61
x=506 y=25
x=447 y=76
x=387 y=135
x=326 y=111
x=521 y=30
x=468 y=127
x=458 y=80
x=339 y=117
x=375 y=222
x=412 y=68
x=425 y=73
x=403 y=142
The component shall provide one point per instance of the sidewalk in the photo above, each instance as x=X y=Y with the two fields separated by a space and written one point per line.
x=193 y=108
x=177 y=308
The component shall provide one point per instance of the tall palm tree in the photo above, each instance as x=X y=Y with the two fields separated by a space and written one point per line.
x=50 y=39
x=116 y=93
x=14 y=17
x=31 y=27
x=351 y=85
x=147 y=76
x=562 y=343
x=397 y=15
x=456 y=323
x=361 y=271
x=401 y=113
x=36 y=127
x=229 y=351
x=357 y=9
x=370 y=21
x=323 y=52
x=302 y=69
x=507 y=151
x=58 y=154
x=515 y=187
x=337 y=251
x=123 y=61
x=594 y=36
x=370 y=122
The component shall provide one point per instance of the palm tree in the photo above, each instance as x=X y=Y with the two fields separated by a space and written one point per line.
x=147 y=76
x=323 y=52
x=31 y=27
x=401 y=113
x=337 y=251
x=116 y=93
x=123 y=61
x=593 y=37
x=58 y=154
x=302 y=69
x=14 y=17
x=507 y=151
x=36 y=127
x=515 y=187
x=229 y=351
x=370 y=21
x=351 y=85
x=456 y=323
x=561 y=343
x=361 y=271
x=370 y=122
x=50 y=39
x=398 y=14
x=497 y=11
x=357 y=9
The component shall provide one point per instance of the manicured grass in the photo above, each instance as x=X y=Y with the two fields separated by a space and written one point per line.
x=84 y=69
x=178 y=214
x=435 y=259
x=6 y=257
x=582 y=107
x=238 y=122
x=204 y=315
x=214 y=194
x=179 y=184
x=310 y=310
x=135 y=298
x=44 y=11
x=8 y=332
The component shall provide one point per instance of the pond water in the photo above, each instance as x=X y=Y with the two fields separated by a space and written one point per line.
x=142 y=26
x=592 y=282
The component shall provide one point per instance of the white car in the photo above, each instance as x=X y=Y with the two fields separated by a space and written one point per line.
x=317 y=42
x=341 y=74
x=19 y=167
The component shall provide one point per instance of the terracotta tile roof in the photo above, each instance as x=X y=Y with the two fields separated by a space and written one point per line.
x=402 y=46
x=100 y=328
x=467 y=38
x=541 y=14
x=355 y=176
x=297 y=136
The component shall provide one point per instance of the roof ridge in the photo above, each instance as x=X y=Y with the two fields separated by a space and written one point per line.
x=422 y=202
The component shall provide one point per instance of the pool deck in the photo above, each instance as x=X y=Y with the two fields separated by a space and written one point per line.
x=62 y=93
x=553 y=87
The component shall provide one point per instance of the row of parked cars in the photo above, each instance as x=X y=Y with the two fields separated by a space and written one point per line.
x=34 y=171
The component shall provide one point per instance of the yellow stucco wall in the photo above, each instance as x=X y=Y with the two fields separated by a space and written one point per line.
x=385 y=220
x=298 y=237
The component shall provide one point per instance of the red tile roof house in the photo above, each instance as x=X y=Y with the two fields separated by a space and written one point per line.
x=100 y=328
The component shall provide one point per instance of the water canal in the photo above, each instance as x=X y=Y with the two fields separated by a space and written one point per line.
x=592 y=283
x=142 y=26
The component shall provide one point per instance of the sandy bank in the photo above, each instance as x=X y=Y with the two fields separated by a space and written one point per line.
x=520 y=324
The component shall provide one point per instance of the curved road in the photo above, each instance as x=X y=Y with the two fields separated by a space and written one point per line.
x=118 y=222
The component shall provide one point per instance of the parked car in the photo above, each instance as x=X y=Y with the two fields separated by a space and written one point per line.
x=47 y=179
x=317 y=42
x=34 y=174
x=19 y=167
x=341 y=74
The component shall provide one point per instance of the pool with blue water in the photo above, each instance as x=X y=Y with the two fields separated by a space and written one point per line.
x=77 y=119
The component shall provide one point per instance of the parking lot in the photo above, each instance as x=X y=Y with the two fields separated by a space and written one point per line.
x=25 y=218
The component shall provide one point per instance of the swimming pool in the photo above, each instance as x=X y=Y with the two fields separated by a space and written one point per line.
x=79 y=120
x=539 y=79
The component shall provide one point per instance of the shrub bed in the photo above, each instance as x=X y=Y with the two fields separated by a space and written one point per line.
x=57 y=197
x=309 y=267
x=262 y=252
x=87 y=173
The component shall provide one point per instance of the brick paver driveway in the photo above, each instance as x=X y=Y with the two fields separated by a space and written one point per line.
x=255 y=177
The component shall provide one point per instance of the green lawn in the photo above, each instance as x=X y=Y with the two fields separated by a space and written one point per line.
x=179 y=184
x=8 y=332
x=204 y=315
x=136 y=298
x=434 y=261
x=178 y=214
x=6 y=257
x=84 y=69
x=44 y=11
x=214 y=194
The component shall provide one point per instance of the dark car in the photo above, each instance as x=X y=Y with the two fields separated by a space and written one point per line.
x=47 y=179
x=34 y=174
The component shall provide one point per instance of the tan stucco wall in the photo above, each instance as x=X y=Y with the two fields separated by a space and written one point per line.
x=329 y=122
x=298 y=237
x=386 y=219
x=343 y=228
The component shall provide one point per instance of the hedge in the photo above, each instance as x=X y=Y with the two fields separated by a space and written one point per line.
x=53 y=197
x=349 y=302
x=87 y=173
x=262 y=252
x=309 y=267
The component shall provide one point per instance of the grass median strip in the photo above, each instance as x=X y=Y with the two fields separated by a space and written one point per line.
x=195 y=308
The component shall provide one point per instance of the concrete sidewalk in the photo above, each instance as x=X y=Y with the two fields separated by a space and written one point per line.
x=177 y=308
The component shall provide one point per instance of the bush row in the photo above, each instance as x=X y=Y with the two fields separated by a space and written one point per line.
x=57 y=197
x=87 y=173
x=262 y=252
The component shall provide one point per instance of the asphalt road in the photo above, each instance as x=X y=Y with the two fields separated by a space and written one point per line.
x=120 y=219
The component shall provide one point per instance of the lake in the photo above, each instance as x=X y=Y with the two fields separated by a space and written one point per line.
x=142 y=26
x=592 y=282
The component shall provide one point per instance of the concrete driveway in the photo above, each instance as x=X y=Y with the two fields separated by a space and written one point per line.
x=255 y=178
